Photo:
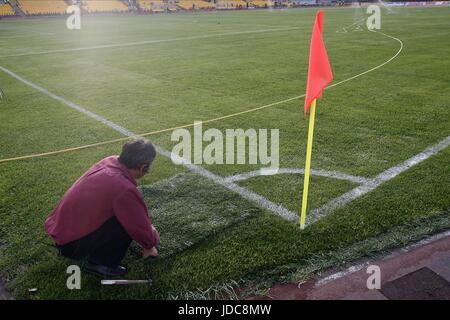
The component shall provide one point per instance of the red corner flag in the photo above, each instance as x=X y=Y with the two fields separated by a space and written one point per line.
x=319 y=71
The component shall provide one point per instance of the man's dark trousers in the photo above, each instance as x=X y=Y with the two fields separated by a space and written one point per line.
x=107 y=246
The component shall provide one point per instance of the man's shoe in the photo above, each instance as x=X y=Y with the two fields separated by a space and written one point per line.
x=104 y=271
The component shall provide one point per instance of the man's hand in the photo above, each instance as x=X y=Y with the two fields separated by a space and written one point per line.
x=153 y=252
x=150 y=252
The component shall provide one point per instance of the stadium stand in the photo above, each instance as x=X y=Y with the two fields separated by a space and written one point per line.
x=196 y=5
x=261 y=3
x=152 y=6
x=96 y=6
x=157 y=6
x=43 y=7
x=238 y=4
x=6 y=10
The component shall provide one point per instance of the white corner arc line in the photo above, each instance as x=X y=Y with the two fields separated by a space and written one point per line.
x=376 y=181
x=314 y=172
x=245 y=193
x=140 y=43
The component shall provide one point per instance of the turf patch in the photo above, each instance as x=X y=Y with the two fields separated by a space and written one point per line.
x=189 y=208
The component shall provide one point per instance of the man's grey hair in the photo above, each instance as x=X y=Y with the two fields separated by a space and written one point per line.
x=136 y=153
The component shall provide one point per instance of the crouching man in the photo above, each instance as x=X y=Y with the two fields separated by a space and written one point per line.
x=103 y=212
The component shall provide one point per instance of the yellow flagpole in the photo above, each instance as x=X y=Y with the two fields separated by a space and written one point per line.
x=308 y=164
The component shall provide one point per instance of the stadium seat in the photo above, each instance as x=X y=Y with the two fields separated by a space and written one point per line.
x=95 y=6
x=152 y=6
x=231 y=4
x=195 y=5
x=39 y=7
x=6 y=10
x=261 y=3
x=157 y=6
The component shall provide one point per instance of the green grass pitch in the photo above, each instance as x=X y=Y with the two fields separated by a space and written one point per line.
x=206 y=65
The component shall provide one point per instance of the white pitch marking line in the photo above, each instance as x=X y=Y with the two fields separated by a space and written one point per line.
x=394 y=254
x=140 y=43
x=377 y=181
x=279 y=210
x=330 y=86
x=340 y=274
x=25 y=36
x=344 y=29
x=314 y=172
x=243 y=192
x=426 y=241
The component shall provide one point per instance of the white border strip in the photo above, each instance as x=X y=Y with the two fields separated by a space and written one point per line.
x=245 y=193
x=394 y=254
x=314 y=172
x=341 y=274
